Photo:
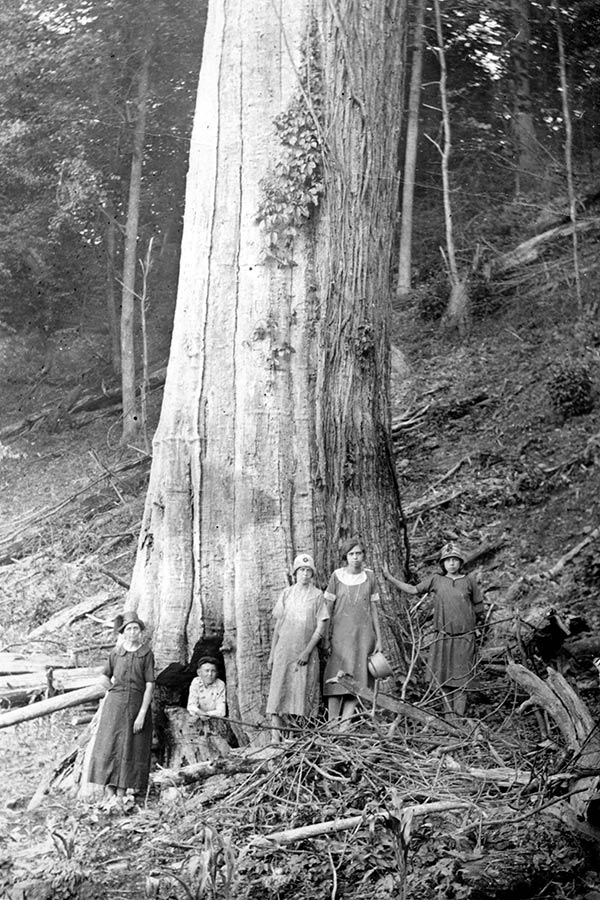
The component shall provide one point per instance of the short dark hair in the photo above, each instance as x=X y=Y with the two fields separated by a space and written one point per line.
x=348 y=544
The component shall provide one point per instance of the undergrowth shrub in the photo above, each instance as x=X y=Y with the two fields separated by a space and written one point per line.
x=431 y=297
x=569 y=388
x=484 y=300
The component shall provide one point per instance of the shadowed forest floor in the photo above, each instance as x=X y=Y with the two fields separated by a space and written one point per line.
x=484 y=456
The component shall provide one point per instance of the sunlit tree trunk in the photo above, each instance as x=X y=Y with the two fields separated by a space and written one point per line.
x=410 y=153
x=278 y=376
x=131 y=420
x=456 y=314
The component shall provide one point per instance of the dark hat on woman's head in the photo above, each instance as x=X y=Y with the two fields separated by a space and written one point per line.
x=207 y=659
x=349 y=544
x=131 y=618
x=451 y=549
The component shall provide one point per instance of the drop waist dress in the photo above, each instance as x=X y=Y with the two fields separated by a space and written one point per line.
x=458 y=606
x=295 y=690
x=352 y=633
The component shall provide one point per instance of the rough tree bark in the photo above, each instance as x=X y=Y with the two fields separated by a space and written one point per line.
x=354 y=475
x=273 y=435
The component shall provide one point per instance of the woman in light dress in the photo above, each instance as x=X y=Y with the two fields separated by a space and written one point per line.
x=301 y=617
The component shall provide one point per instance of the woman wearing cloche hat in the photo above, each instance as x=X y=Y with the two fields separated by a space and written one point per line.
x=300 y=618
x=458 y=609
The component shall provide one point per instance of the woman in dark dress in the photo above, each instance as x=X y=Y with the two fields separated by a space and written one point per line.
x=457 y=611
x=121 y=756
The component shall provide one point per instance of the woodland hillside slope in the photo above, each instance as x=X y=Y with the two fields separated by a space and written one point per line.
x=497 y=436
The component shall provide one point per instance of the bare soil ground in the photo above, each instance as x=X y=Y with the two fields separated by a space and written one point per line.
x=483 y=455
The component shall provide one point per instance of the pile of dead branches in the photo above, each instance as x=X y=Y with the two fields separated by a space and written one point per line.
x=368 y=813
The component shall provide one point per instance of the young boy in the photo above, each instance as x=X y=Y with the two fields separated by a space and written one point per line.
x=207 y=696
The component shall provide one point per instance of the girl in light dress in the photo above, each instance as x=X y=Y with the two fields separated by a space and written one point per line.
x=301 y=617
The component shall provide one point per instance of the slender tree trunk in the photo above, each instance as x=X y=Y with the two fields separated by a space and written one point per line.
x=131 y=420
x=111 y=297
x=410 y=154
x=456 y=316
x=240 y=453
x=568 y=147
x=523 y=126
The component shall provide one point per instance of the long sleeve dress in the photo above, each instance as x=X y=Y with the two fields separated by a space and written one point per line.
x=295 y=690
x=458 y=605
x=352 y=633
x=120 y=757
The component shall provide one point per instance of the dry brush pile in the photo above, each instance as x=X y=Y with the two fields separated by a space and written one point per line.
x=378 y=811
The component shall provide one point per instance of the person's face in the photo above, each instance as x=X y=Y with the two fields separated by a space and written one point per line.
x=207 y=672
x=452 y=565
x=132 y=633
x=355 y=557
x=304 y=574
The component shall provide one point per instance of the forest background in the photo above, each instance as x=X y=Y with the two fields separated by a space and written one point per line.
x=493 y=402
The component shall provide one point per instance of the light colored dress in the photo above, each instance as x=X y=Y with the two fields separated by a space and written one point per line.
x=294 y=689
x=458 y=605
x=352 y=632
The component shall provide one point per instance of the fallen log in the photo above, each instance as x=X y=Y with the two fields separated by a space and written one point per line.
x=399 y=707
x=53 y=704
x=14 y=687
x=305 y=832
x=30 y=520
x=523 y=581
x=575 y=723
x=502 y=776
x=202 y=770
x=426 y=503
x=15 y=664
x=66 y=617
x=530 y=250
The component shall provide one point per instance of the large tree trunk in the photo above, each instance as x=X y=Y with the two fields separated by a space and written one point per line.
x=357 y=491
x=232 y=493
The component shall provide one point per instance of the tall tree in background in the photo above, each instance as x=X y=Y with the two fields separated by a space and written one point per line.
x=410 y=151
x=274 y=433
x=131 y=419
x=68 y=83
x=527 y=148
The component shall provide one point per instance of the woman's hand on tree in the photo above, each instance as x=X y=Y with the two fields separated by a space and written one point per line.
x=386 y=571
